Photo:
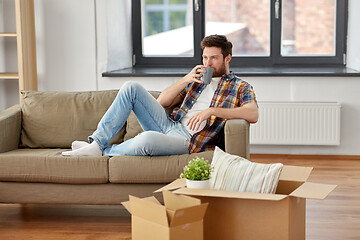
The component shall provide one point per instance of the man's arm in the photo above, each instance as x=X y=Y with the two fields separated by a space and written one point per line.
x=248 y=111
x=170 y=96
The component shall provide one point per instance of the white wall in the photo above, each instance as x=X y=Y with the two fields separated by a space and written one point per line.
x=66 y=46
x=72 y=54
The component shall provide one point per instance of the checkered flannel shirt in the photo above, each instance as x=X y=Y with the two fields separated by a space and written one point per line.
x=231 y=92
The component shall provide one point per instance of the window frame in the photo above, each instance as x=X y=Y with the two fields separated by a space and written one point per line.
x=273 y=60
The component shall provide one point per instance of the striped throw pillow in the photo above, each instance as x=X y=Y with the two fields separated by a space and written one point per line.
x=234 y=173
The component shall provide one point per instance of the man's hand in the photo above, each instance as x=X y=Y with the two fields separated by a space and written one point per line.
x=249 y=112
x=170 y=96
x=195 y=121
x=194 y=75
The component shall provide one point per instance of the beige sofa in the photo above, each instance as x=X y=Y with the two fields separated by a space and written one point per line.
x=33 y=135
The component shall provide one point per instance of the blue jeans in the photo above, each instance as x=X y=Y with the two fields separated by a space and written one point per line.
x=161 y=136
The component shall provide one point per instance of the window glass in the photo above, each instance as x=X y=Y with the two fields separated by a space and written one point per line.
x=308 y=27
x=263 y=32
x=155 y=23
x=167 y=28
x=246 y=23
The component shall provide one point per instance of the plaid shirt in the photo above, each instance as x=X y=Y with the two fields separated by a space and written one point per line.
x=231 y=92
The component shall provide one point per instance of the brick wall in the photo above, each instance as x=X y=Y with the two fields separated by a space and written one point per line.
x=254 y=13
x=314 y=26
x=309 y=23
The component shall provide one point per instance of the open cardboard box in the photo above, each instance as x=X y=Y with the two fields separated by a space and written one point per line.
x=181 y=217
x=247 y=216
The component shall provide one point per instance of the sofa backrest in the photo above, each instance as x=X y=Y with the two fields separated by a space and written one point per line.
x=55 y=119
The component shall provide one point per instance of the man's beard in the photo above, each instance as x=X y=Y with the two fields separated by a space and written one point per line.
x=219 y=72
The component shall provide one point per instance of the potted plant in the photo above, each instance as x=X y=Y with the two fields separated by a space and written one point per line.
x=197 y=173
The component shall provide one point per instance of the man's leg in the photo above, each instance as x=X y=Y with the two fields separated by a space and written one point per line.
x=132 y=96
x=150 y=143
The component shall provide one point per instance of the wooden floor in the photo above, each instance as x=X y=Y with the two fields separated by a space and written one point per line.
x=335 y=218
x=338 y=216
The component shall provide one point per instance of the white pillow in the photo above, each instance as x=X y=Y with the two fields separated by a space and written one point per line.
x=234 y=173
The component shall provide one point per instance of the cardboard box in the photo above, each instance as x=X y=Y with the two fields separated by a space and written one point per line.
x=255 y=216
x=180 y=218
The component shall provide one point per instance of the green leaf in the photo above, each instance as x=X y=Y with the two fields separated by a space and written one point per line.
x=197 y=169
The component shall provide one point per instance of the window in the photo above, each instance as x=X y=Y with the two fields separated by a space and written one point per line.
x=263 y=32
x=167 y=28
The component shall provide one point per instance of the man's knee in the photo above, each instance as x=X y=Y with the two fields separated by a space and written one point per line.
x=130 y=85
x=146 y=138
x=130 y=89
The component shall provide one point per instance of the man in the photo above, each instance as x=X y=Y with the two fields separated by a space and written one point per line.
x=193 y=126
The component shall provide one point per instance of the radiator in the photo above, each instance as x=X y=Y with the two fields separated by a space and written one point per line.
x=297 y=123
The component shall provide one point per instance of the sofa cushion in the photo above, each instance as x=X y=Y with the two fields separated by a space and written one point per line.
x=156 y=169
x=55 y=119
x=47 y=165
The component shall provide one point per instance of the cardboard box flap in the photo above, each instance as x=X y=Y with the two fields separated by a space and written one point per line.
x=188 y=215
x=174 y=201
x=228 y=194
x=152 y=199
x=178 y=183
x=313 y=190
x=148 y=210
x=294 y=173
x=127 y=206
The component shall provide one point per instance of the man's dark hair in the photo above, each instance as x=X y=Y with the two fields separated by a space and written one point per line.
x=219 y=41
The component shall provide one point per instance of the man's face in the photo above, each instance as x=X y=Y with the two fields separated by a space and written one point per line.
x=212 y=57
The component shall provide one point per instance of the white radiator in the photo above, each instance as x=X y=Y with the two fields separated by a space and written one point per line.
x=297 y=123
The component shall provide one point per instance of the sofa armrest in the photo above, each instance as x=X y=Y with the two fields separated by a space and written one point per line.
x=236 y=134
x=10 y=127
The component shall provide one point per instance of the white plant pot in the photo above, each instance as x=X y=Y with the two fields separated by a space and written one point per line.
x=199 y=184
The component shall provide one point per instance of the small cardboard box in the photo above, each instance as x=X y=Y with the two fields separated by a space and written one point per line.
x=255 y=216
x=180 y=218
